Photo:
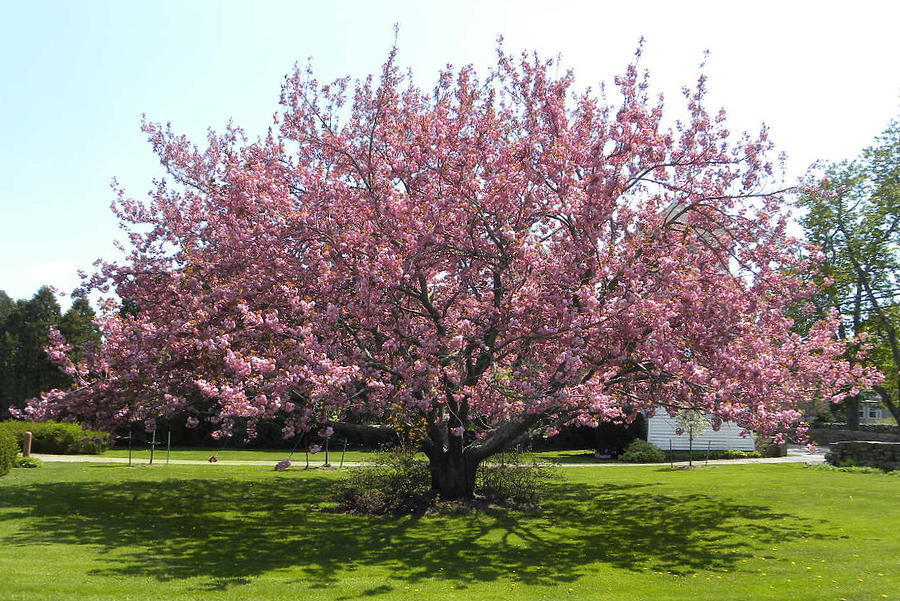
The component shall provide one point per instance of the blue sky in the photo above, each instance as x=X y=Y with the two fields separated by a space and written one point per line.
x=76 y=76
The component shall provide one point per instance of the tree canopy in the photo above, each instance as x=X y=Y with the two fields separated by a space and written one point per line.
x=467 y=264
x=853 y=215
x=25 y=370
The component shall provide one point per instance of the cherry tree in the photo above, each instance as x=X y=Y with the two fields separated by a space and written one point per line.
x=486 y=259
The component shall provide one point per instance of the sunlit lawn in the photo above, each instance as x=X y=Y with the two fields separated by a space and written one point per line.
x=743 y=532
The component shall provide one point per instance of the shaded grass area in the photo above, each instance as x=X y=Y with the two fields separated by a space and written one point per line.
x=178 y=532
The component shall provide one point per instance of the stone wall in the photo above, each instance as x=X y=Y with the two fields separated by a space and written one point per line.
x=831 y=435
x=881 y=428
x=865 y=453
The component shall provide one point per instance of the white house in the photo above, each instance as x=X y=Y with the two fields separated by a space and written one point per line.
x=871 y=411
x=661 y=433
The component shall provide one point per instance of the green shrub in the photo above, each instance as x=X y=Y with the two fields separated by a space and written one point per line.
x=398 y=482
x=641 y=451
x=853 y=469
x=63 y=438
x=8 y=451
x=394 y=483
x=701 y=454
x=28 y=462
x=505 y=479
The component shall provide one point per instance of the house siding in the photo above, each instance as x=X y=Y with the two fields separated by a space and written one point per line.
x=661 y=431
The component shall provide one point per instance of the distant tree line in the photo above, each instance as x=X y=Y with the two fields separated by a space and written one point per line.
x=25 y=370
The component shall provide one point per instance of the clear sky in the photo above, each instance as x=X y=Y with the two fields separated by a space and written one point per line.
x=76 y=76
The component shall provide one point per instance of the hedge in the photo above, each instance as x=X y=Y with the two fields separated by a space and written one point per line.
x=57 y=437
x=8 y=451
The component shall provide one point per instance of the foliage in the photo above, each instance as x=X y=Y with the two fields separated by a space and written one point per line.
x=57 y=437
x=693 y=422
x=396 y=482
x=25 y=370
x=700 y=454
x=613 y=438
x=28 y=462
x=507 y=480
x=853 y=215
x=8 y=451
x=467 y=264
x=849 y=466
x=641 y=451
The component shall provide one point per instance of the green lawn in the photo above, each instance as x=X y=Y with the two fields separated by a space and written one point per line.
x=142 y=454
x=743 y=532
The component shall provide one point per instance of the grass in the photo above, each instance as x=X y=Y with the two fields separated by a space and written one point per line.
x=761 y=532
x=202 y=454
x=142 y=455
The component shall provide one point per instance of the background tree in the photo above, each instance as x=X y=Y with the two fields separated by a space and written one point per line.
x=78 y=327
x=28 y=370
x=694 y=423
x=854 y=217
x=25 y=369
x=8 y=345
x=467 y=265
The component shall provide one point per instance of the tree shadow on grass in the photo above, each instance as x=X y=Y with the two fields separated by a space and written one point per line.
x=229 y=531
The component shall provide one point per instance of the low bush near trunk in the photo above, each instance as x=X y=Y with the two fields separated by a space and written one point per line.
x=400 y=483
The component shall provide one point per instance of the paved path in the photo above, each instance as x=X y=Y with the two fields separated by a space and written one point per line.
x=793 y=456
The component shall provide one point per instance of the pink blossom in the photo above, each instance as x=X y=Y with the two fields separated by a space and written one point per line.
x=481 y=269
x=314 y=448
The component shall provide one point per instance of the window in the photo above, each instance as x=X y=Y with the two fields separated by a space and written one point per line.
x=873 y=414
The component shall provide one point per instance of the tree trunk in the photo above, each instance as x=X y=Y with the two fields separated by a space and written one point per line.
x=454 y=465
x=453 y=476
x=851 y=410
x=888 y=402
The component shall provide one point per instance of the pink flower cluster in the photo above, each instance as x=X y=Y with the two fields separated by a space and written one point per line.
x=497 y=254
